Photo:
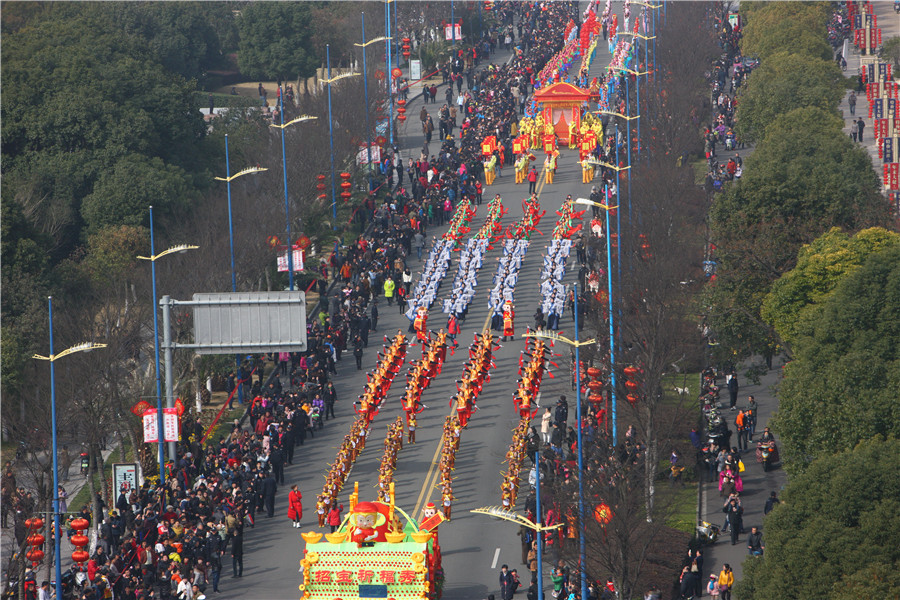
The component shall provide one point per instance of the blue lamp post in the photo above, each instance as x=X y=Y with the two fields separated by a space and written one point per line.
x=159 y=408
x=228 y=179
x=287 y=210
x=85 y=347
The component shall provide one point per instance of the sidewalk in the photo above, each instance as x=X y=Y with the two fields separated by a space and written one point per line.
x=889 y=22
x=757 y=483
x=76 y=481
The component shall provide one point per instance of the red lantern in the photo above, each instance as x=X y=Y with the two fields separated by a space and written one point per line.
x=401 y=102
x=35 y=539
x=631 y=386
x=79 y=540
x=595 y=386
x=593 y=372
x=603 y=513
x=630 y=371
x=320 y=177
x=346 y=185
x=346 y=195
x=35 y=555
x=396 y=72
x=632 y=398
x=401 y=118
x=401 y=110
x=595 y=399
x=320 y=187
x=345 y=175
x=80 y=523
x=34 y=523
x=406 y=54
x=80 y=556
x=321 y=196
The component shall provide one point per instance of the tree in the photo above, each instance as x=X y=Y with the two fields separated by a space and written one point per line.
x=841 y=388
x=122 y=194
x=820 y=267
x=804 y=178
x=776 y=26
x=275 y=40
x=837 y=525
x=783 y=82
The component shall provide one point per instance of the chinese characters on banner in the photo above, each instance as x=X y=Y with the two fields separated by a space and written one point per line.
x=403 y=576
x=892 y=176
x=453 y=32
x=170 y=426
x=283 y=260
x=362 y=157
x=888 y=150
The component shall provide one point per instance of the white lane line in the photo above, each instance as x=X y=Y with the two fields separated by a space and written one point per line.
x=496 y=557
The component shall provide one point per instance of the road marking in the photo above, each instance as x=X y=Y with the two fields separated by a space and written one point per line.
x=496 y=556
x=431 y=477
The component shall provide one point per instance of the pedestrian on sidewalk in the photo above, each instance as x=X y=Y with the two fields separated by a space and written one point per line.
x=861 y=125
x=726 y=580
x=851 y=101
x=295 y=506
x=732 y=390
x=854 y=130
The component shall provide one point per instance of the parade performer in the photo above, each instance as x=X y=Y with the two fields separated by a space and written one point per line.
x=420 y=325
x=509 y=316
x=490 y=166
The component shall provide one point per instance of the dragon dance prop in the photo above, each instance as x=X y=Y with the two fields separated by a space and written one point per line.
x=418 y=378
x=523 y=228
x=378 y=383
x=393 y=443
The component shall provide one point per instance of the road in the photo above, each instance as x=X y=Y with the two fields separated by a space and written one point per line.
x=474 y=546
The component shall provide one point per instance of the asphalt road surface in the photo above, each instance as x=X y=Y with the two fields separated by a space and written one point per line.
x=473 y=546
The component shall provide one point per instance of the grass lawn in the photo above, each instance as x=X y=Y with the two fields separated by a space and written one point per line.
x=683 y=516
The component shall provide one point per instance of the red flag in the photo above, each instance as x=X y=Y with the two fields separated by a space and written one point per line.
x=140 y=408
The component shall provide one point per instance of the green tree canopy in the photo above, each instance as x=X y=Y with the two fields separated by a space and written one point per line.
x=798 y=27
x=122 y=194
x=275 y=40
x=835 y=531
x=842 y=386
x=783 y=82
x=820 y=267
x=804 y=178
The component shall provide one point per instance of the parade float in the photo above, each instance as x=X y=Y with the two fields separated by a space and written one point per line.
x=377 y=552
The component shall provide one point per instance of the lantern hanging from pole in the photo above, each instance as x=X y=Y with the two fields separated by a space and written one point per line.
x=322 y=197
x=34 y=540
x=401 y=118
x=396 y=72
x=345 y=175
x=346 y=185
x=320 y=187
x=345 y=195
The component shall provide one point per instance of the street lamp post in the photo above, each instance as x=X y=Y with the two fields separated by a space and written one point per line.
x=514 y=517
x=287 y=211
x=228 y=179
x=612 y=342
x=159 y=412
x=329 y=81
x=387 y=45
x=85 y=347
x=577 y=344
x=365 y=72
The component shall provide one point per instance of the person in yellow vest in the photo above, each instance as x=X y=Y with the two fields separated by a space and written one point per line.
x=521 y=168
